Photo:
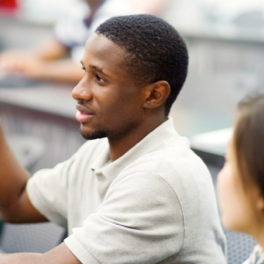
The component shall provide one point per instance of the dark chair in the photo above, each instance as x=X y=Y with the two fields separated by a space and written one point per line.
x=38 y=238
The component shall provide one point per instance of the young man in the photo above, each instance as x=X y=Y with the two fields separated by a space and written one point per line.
x=134 y=193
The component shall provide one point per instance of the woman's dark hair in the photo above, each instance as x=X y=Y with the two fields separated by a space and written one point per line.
x=248 y=140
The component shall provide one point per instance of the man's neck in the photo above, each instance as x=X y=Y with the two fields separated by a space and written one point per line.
x=118 y=147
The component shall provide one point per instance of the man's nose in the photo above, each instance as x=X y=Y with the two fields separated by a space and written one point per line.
x=80 y=92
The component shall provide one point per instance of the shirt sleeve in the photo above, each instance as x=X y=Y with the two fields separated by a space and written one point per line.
x=47 y=191
x=140 y=221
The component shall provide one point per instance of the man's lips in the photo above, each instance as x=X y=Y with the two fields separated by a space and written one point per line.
x=83 y=114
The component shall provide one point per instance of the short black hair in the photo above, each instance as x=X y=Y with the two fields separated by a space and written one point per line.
x=155 y=49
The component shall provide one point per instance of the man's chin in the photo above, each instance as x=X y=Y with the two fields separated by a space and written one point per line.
x=89 y=135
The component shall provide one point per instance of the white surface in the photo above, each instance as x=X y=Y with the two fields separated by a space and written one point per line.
x=50 y=99
x=212 y=142
x=216 y=19
x=44 y=11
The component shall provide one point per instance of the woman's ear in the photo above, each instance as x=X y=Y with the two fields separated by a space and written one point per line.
x=257 y=201
x=260 y=203
x=156 y=94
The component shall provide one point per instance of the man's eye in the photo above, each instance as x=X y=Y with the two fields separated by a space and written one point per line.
x=98 y=78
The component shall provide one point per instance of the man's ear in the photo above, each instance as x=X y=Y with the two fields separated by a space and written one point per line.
x=156 y=94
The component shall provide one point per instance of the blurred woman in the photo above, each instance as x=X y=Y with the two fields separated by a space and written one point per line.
x=241 y=181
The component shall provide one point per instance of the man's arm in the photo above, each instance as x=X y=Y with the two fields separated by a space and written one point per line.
x=51 y=50
x=15 y=205
x=43 y=63
x=66 y=71
x=58 y=255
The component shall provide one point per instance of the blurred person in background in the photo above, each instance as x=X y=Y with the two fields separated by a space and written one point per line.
x=240 y=183
x=70 y=35
x=134 y=192
x=71 y=32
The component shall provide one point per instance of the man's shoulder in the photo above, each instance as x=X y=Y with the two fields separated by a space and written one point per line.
x=172 y=151
x=173 y=160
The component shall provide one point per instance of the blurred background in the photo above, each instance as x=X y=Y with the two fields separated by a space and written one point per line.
x=225 y=41
x=226 y=47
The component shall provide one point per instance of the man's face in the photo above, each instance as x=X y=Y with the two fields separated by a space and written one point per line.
x=109 y=103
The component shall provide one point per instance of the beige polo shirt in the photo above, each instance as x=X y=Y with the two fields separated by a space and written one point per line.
x=155 y=204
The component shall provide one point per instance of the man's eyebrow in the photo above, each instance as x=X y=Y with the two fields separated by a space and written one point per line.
x=98 y=69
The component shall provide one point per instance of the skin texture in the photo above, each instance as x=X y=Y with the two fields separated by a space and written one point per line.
x=242 y=207
x=114 y=105
x=58 y=255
